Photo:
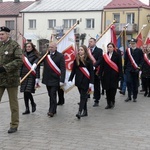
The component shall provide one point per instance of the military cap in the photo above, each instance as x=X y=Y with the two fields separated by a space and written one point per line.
x=4 y=29
x=133 y=40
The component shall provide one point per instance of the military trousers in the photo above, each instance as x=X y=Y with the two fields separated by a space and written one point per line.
x=13 y=102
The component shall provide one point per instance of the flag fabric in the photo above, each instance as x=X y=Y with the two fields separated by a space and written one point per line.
x=113 y=35
x=139 y=40
x=104 y=40
x=23 y=40
x=147 y=41
x=67 y=47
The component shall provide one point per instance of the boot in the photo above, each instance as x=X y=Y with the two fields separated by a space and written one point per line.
x=78 y=115
x=34 y=107
x=84 y=113
x=27 y=111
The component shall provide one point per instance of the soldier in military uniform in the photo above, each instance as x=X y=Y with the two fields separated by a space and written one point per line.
x=10 y=63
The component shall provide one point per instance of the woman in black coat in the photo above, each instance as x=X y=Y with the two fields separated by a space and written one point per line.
x=111 y=72
x=28 y=85
x=84 y=78
x=146 y=72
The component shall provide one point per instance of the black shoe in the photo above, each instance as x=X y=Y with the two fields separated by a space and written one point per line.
x=78 y=115
x=148 y=95
x=96 y=104
x=145 y=94
x=134 y=100
x=128 y=99
x=108 y=107
x=12 y=130
x=26 y=112
x=84 y=114
x=34 y=108
x=123 y=93
x=50 y=114
x=60 y=103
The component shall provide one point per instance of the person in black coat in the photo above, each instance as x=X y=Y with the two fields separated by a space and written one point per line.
x=54 y=71
x=146 y=72
x=132 y=64
x=84 y=78
x=97 y=54
x=111 y=73
x=30 y=57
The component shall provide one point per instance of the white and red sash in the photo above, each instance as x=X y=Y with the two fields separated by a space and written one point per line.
x=110 y=62
x=53 y=65
x=135 y=66
x=85 y=72
x=28 y=64
x=146 y=59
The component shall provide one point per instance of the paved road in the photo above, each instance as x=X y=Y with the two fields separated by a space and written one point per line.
x=126 y=127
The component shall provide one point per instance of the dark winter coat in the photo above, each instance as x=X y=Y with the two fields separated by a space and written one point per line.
x=28 y=85
x=109 y=76
x=81 y=80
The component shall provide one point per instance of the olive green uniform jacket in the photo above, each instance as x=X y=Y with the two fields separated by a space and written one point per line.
x=11 y=60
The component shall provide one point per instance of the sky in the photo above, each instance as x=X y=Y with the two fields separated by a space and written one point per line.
x=144 y=1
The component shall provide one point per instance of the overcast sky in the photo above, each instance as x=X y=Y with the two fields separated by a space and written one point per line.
x=144 y=1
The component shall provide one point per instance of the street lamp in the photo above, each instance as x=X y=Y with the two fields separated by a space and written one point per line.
x=148 y=18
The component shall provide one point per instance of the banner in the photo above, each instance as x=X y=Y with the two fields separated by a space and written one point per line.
x=147 y=41
x=67 y=47
x=104 y=40
x=139 y=40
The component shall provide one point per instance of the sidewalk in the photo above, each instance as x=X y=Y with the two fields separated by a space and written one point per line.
x=126 y=127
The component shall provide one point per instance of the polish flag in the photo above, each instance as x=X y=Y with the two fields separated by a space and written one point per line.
x=147 y=41
x=139 y=41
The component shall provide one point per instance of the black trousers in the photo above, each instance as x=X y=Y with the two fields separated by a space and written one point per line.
x=110 y=95
x=132 y=83
x=52 y=91
x=97 y=89
x=83 y=99
x=61 y=99
x=28 y=96
x=146 y=84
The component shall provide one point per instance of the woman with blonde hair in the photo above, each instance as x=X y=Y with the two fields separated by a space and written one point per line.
x=84 y=78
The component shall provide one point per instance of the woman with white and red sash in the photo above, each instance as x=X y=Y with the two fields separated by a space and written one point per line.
x=111 y=73
x=30 y=57
x=84 y=78
x=146 y=72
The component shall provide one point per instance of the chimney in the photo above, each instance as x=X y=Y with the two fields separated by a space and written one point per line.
x=16 y=1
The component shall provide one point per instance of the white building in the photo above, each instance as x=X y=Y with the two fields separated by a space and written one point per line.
x=43 y=17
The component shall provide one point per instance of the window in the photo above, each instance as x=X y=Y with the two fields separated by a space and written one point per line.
x=117 y=17
x=51 y=23
x=10 y=24
x=68 y=23
x=90 y=23
x=130 y=18
x=32 y=24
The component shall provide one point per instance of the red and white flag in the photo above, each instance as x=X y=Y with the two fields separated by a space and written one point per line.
x=113 y=35
x=23 y=40
x=67 y=47
x=139 y=40
x=104 y=40
x=147 y=41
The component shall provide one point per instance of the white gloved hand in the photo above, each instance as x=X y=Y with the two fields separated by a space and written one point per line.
x=91 y=87
x=61 y=83
x=37 y=81
x=34 y=67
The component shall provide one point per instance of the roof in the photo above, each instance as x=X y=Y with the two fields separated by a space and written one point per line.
x=117 y=4
x=66 y=5
x=13 y=8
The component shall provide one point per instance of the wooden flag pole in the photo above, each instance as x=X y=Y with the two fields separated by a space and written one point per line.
x=125 y=27
x=48 y=51
x=106 y=30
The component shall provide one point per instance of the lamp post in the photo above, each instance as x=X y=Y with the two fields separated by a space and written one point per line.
x=148 y=18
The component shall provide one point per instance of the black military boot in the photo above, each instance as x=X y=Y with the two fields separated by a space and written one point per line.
x=84 y=114
x=27 y=111
x=78 y=115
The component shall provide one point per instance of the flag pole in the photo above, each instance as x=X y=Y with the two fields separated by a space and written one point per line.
x=106 y=30
x=48 y=51
x=124 y=28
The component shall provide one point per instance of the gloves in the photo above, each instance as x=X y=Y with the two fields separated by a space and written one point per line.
x=37 y=81
x=91 y=86
x=61 y=83
x=34 y=67
x=2 y=69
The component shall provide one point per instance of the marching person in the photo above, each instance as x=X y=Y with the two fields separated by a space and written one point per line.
x=61 y=99
x=146 y=72
x=84 y=78
x=53 y=76
x=111 y=73
x=132 y=65
x=10 y=63
x=97 y=54
x=30 y=57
